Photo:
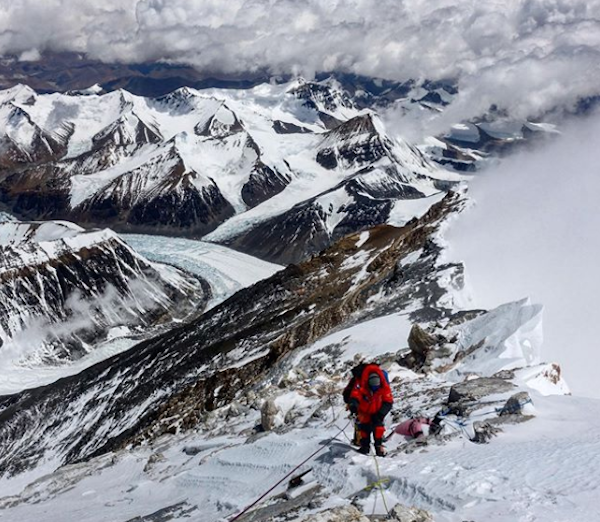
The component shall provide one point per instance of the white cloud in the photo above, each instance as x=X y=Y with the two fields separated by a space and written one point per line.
x=32 y=55
x=534 y=232
x=528 y=54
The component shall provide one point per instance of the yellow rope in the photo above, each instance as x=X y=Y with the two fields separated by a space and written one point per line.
x=380 y=482
x=376 y=484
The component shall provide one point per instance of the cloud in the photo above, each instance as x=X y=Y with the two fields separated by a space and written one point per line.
x=526 y=55
x=534 y=232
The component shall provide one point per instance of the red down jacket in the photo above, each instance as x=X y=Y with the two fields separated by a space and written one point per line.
x=369 y=402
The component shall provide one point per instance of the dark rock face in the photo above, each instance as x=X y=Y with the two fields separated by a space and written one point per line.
x=270 y=240
x=189 y=210
x=263 y=184
x=327 y=158
x=355 y=142
x=174 y=206
x=204 y=364
x=281 y=127
x=76 y=295
x=39 y=192
x=369 y=204
x=316 y=95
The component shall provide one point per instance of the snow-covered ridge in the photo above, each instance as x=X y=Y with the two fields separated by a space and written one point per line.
x=189 y=470
x=65 y=289
x=30 y=243
x=188 y=162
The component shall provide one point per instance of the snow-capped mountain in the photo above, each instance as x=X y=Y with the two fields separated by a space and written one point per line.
x=65 y=289
x=189 y=161
x=386 y=175
x=290 y=339
x=203 y=365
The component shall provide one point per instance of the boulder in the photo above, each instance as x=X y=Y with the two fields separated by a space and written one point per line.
x=402 y=513
x=268 y=415
x=421 y=344
x=475 y=389
x=514 y=405
x=339 y=514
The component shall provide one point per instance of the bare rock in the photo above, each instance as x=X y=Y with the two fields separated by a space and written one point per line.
x=475 y=389
x=514 y=405
x=483 y=431
x=420 y=344
x=410 y=514
x=339 y=514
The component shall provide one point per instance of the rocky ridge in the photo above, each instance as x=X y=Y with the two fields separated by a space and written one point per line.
x=204 y=364
x=269 y=364
x=63 y=289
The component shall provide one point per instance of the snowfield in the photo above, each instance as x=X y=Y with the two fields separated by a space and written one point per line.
x=546 y=470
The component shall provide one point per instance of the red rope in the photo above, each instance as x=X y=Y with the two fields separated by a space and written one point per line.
x=248 y=508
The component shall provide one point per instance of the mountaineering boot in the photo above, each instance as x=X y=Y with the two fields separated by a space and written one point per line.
x=365 y=446
x=380 y=450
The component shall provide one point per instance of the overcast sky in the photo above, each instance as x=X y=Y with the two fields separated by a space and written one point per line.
x=524 y=55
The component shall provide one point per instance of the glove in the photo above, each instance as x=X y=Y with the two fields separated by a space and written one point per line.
x=377 y=418
x=353 y=406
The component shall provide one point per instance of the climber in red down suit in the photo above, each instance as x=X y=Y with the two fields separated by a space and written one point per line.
x=371 y=400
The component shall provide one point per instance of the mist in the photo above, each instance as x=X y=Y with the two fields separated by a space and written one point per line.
x=534 y=230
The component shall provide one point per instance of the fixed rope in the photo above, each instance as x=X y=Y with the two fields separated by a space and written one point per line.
x=380 y=486
x=514 y=409
x=266 y=493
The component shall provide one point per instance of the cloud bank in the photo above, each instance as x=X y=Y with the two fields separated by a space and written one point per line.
x=534 y=231
x=525 y=55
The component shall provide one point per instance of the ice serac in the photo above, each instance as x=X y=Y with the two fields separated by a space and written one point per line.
x=166 y=383
x=64 y=288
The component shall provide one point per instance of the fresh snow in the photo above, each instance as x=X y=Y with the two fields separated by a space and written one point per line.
x=406 y=209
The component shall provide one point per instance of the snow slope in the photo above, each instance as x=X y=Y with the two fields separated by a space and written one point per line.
x=210 y=475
